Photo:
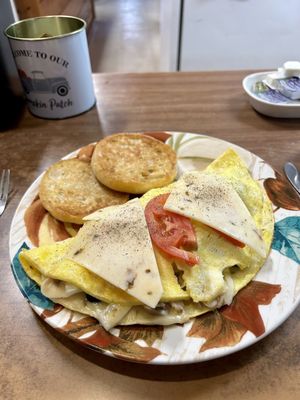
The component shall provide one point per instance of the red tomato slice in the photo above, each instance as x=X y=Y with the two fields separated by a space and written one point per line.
x=171 y=233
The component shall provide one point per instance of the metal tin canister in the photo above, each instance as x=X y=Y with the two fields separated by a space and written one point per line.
x=52 y=58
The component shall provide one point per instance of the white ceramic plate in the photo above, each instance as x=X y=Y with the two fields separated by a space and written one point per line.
x=272 y=109
x=204 y=338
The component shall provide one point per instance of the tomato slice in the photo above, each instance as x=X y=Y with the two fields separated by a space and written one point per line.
x=172 y=233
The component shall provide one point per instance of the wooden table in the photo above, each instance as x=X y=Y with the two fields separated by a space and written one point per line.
x=35 y=361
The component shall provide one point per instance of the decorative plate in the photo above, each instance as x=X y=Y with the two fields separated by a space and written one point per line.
x=256 y=311
x=268 y=101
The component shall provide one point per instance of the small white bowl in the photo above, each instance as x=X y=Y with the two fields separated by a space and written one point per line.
x=278 y=110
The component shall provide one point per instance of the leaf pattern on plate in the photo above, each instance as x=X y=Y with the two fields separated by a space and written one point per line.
x=162 y=136
x=88 y=331
x=50 y=313
x=281 y=193
x=80 y=326
x=217 y=330
x=86 y=152
x=287 y=238
x=138 y=332
x=100 y=339
x=207 y=326
x=244 y=308
x=34 y=216
x=230 y=334
x=28 y=287
x=176 y=141
x=227 y=326
x=56 y=229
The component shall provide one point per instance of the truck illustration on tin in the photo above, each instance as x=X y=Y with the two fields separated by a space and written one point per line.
x=40 y=84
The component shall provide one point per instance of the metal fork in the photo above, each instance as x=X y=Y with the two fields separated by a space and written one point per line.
x=4 y=188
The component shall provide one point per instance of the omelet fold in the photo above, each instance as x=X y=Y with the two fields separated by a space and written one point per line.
x=48 y=261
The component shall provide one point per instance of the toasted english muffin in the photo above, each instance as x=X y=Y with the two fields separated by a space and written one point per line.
x=70 y=191
x=133 y=163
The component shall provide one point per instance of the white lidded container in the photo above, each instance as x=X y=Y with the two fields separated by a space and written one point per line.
x=52 y=58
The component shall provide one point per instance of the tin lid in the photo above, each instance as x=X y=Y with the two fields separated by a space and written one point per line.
x=45 y=28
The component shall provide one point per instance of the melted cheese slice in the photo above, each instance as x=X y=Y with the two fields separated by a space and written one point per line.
x=211 y=200
x=117 y=247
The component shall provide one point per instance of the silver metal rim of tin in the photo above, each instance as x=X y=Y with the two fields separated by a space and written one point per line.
x=47 y=27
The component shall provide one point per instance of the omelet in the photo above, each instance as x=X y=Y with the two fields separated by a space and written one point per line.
x=225 y=266
x=223 y=270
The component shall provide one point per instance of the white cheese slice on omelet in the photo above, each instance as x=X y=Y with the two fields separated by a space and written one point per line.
x=117 y=247
x=208 y=198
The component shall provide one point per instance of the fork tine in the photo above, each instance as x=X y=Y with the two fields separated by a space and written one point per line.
x=6 y=185
x=2 y=182
x=4 y=189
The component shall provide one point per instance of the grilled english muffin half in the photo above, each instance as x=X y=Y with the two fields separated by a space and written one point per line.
x=69 y=191
x=133 y=163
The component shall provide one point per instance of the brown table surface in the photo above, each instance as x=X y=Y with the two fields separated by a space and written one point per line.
x=35 y=362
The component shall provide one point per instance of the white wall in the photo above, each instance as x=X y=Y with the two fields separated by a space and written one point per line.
x=237 y=34
x=218 y=34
